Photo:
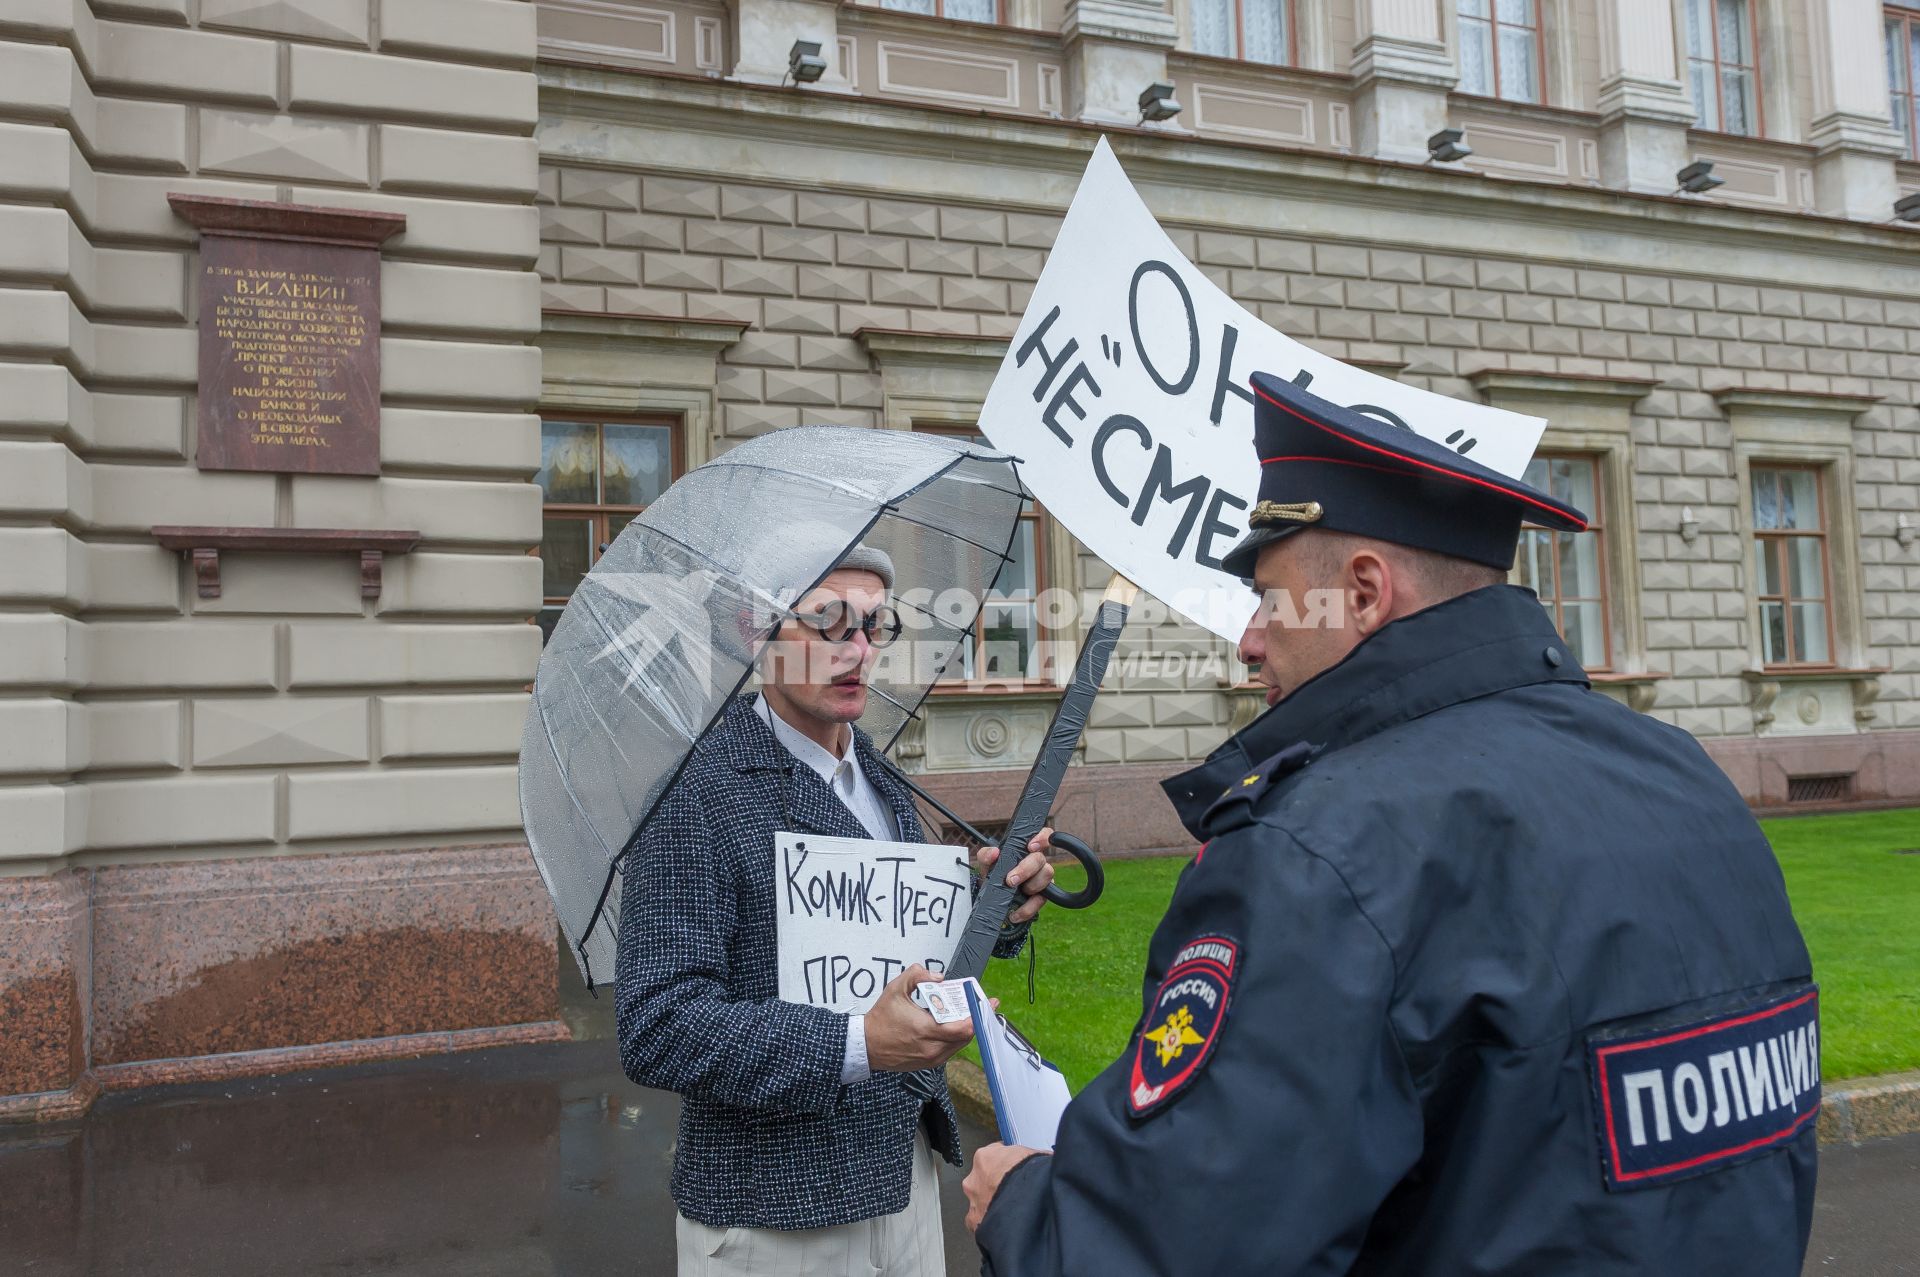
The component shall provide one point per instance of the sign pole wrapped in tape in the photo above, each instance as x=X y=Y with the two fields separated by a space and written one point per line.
x=1125 y=395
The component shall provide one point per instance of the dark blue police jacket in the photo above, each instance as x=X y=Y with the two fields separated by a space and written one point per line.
x=1478 y=972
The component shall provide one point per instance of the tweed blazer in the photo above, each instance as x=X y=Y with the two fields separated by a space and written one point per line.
x=769 y=1136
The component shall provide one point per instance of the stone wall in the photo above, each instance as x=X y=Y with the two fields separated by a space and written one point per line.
x=1688 y=342
x=163 y=754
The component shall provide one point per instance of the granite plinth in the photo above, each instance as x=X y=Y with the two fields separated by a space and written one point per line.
x=1884 y=766
x=43 y=983
x=1870 y=1108
x=1113 y=808
x=211 y=958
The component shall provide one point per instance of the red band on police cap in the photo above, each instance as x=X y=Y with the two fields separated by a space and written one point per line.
x=1404 y=459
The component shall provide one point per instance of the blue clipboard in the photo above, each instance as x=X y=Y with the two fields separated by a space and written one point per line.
x=1029 y=1093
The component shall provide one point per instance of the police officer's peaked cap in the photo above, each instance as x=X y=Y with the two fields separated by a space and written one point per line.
x=1326 y=466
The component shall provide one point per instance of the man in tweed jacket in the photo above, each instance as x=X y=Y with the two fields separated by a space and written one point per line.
x=801 y=1149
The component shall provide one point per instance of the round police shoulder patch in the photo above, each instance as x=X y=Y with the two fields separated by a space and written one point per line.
x=1183 y=1023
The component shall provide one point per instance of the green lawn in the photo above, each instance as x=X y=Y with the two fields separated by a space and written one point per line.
x=1858 y=904
x=1859 y=907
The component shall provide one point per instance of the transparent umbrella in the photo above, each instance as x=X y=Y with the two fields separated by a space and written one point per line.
x=663 y=631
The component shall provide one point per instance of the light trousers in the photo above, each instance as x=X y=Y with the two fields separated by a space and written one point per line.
x=909 y=1244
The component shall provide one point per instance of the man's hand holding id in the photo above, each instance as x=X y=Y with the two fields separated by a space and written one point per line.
x=902 y=1036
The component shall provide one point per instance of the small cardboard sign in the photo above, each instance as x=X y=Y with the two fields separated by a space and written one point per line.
x=1125 y=391
x=852 y=913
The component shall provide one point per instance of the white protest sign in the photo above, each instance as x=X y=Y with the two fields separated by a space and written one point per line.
x=1125 y=392
x=853 y=913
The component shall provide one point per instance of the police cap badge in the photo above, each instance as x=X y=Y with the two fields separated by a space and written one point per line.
x=1326 y=466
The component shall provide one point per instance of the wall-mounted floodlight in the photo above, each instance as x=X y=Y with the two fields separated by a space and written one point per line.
x=1697 y=178
x=804 y=62
x=1448 y=145
x=1907 y=207
x=1158 y=103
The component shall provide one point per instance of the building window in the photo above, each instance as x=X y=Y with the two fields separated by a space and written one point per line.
x=1722 y=66
x=1568 y=570
x=959 y=10
x=1007 y=637
x=594 y=477
x=1500 y=49
x=1251 y=30
x=1903 y=73
x=1790 y=566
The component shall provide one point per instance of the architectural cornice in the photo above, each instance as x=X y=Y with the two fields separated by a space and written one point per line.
x=1550 y=385
x=1411 y=61
x=895 y=149
x=1122 y=21
x=655 y=329
x=889 y=345
x=1798 y=403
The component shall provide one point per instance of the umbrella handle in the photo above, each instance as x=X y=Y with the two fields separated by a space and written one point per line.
x=1096 y=875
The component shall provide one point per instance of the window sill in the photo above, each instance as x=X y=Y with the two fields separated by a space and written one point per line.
x=1711 y=136
x=1032 y=687
x=1283 y=70
x=1811 y=713
x=1637 y=690
x=971 y=729
x=1525 y=110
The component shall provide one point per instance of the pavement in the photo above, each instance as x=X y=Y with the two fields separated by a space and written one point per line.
x=526 y=1160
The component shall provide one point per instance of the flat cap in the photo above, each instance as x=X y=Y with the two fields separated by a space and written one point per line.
x=865 y=558
x=1326 y=466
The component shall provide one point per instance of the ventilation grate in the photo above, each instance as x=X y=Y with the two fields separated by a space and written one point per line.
x=1834 y=788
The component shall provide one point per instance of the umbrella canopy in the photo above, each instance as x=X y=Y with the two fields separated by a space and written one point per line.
x=664 y=630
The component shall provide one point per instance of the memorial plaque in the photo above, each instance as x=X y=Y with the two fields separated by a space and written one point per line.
x=289 y=335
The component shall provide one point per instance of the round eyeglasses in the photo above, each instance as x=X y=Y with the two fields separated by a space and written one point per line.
x=836 y=620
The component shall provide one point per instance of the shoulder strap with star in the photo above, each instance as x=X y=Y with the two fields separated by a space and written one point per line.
x=1236 y=802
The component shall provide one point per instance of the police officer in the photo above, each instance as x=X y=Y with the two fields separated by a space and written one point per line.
x=1477 y=971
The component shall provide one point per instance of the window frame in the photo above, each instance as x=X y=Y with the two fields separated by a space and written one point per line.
x=999 y=18
x=1042 y=523
x=1593 y=416
x=1291 y=10
x=1720 y=65
x=1598 y=523
x=1494 y=24
x=1776 y=540
x=596 y=515
x=1907 y=22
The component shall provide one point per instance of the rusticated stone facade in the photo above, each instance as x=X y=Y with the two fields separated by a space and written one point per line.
x=220 y=817
x=1675 y=345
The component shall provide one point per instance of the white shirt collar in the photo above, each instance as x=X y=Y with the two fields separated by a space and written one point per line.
x=803 y=747
x=844 y=775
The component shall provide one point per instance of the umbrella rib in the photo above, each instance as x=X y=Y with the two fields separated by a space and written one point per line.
x=848 y=488
x=966 y=635
x=893 y=511
x=713 y=564
x=909 y=711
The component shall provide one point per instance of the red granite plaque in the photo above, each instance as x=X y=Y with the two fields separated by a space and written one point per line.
x=289 y=335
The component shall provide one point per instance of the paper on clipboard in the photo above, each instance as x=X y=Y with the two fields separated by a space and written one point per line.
x=1029 y=1094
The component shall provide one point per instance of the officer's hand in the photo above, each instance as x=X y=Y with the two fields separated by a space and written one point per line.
x=902 y=1036
x=1032 y=875
x=991 y=1162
